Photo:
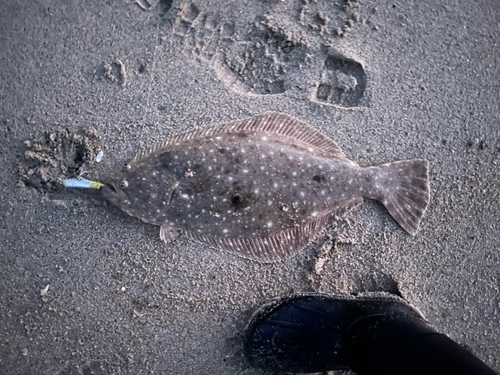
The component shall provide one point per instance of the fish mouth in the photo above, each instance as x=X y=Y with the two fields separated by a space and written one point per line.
x=112 y=193
x=112 y=186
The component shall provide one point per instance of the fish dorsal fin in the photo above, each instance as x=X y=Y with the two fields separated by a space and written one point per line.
x=269 y=122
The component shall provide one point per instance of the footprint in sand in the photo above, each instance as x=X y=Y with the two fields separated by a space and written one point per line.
x=265 y=64
x=272 y=56
x=342 y=82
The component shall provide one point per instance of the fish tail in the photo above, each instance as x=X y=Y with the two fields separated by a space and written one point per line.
x=406 y=191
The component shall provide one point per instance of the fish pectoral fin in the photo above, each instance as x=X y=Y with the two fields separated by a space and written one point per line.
x=168 y=232
x=174 y=191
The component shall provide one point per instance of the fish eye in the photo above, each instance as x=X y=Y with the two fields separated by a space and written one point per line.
x=124 y=184
x=236 y=199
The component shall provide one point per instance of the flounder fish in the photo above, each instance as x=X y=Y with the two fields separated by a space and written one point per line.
x=262 y=187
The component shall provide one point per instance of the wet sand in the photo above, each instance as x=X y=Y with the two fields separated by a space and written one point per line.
x=386 y=80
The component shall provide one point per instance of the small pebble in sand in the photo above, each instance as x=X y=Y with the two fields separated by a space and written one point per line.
x=99 y=157
x=44 y=291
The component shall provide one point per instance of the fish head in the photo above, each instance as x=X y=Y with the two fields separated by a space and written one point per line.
x=141 y=192
x=114 y=192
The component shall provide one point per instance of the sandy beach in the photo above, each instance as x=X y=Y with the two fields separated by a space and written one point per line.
x=87 y=289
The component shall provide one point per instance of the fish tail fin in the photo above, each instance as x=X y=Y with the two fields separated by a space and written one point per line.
x=407 y=191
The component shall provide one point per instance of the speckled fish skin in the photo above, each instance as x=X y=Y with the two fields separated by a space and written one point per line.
x=260 y=188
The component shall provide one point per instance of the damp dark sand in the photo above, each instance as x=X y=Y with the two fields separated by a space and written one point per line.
x=386 y=80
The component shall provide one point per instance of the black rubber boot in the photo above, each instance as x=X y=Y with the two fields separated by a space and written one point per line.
x=372 y=334
x=305 y=333
x=395 y=345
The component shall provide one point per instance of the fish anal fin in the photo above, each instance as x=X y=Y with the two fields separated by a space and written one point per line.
x=343 y=207
x=270 y=248
x=277 y=123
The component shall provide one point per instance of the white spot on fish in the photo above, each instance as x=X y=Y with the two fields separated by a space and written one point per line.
x=245 y=170
x=270 y=224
